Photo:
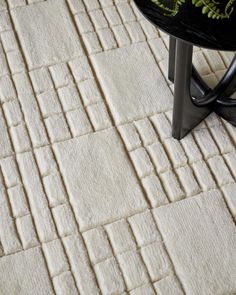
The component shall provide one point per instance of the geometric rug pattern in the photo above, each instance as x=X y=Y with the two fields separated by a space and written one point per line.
x=96 y=197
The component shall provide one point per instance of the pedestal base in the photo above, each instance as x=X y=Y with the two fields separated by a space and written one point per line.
x=193 y=99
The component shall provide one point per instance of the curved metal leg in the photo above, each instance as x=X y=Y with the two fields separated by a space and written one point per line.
x=197 y=83
x=226 y=112
x=193 y=99
x=223 y=89
x=229 y=79
x=186 y=115
x=171 y=66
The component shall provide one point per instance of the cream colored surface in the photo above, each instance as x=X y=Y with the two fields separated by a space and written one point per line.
x=96 y=197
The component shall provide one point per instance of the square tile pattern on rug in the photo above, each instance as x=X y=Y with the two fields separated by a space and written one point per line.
x=208 y=235
x=33 y=276
x=52 y=37
x=100 y=180
x=96 y=197
x=133 y=85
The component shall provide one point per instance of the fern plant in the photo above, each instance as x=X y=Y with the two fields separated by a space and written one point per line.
x=211 y=8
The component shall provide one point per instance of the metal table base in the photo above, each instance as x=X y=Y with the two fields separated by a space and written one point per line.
x=194 y=100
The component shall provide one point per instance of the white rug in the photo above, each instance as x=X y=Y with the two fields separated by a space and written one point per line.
x=96 y=197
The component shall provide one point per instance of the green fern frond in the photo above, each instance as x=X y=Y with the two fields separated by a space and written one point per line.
x=211 y=8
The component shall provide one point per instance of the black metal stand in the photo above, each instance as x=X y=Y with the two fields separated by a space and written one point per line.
x=193 y=99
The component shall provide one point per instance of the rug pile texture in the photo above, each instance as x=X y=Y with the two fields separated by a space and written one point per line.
x=96 y=197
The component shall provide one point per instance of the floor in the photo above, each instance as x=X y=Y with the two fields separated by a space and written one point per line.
x=96 y=196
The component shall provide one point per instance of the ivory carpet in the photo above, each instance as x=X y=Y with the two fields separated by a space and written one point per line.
x=96 y=197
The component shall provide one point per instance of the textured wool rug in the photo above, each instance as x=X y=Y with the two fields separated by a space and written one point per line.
x=96 y=197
